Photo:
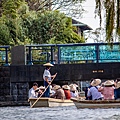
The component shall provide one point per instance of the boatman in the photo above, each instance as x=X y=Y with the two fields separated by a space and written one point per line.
x=47 y=78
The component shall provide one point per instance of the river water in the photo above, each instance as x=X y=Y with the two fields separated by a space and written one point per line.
x=57 y=113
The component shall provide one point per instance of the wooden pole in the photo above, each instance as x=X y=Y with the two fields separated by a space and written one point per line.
x=42 y=93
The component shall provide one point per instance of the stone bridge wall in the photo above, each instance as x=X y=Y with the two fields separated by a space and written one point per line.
x=15 y=81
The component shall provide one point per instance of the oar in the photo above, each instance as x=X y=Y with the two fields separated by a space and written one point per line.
x=42 y=93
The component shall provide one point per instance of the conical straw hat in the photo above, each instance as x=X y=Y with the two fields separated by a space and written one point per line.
x=56 y=87
x=48 y=64
x=95 y=82
x=108 y=83
x=66 y=87
x=72 y=87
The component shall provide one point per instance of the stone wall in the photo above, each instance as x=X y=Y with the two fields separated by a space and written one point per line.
x=15 y=81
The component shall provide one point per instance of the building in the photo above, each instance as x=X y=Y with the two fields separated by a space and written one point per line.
x=81 y=27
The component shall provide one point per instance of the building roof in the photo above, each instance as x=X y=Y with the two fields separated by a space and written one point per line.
x=81 y=25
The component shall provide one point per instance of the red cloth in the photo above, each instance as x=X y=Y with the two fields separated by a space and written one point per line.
x=67 y=94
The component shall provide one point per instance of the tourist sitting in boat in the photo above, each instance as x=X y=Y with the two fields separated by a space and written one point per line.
x=117 y=91
x=116 y=81
x=96 y=95
x=41 y=91
x=59 y=93
x=66 y=89
x=32 y=93
x=73 y=91
x=108 y=90
x=52 y=92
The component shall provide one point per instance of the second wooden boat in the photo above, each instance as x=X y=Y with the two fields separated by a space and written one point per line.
x=50 y=102
x=96 y=103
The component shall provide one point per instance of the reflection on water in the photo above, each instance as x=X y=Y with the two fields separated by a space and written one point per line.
x=58 y=113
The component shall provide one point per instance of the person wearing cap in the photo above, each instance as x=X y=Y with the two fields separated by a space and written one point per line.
x=59 y=93
x=96 y=95
x=47 y=78
x=117 y=91
x=108 y=90
x=32 y=93
x=66 y=89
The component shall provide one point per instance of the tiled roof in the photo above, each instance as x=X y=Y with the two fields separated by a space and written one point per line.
x=81 y=25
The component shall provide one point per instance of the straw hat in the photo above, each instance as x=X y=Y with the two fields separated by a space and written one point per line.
x=66 y=87
x=108 y=83
x=72 y=87
x=75 y=85
x=95 y=82
x=56 y=87
x=41 y=87
x=48 y=64
x=118 y=85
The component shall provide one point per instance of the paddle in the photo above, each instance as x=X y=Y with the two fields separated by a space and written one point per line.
x=43 y=92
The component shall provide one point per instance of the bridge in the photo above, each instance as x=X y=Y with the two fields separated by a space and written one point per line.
x=81 y=61
x=23 y=65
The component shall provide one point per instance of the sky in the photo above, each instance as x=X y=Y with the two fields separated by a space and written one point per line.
x=89 y=16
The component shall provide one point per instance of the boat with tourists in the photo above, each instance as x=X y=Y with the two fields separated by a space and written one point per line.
x=49 y=102
x=80 y=103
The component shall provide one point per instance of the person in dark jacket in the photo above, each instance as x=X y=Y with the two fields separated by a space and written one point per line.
x=117 y=91
x=86 y=90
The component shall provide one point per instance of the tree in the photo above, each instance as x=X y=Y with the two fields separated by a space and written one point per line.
x=24 y=26
x=11 y=21
x=53 y=27
x=5 y=37
x=69 y=7
x=97 y=35
x=111 y=8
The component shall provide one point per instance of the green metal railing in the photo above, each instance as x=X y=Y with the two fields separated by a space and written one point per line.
x=74 y=53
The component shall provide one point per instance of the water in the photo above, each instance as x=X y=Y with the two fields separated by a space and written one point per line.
x=57 y=113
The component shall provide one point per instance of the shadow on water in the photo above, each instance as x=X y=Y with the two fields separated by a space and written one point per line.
x=57 y=113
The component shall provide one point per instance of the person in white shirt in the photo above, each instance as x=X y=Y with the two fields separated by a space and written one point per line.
x=73 y=91
x=47 y=78
x=32 y=93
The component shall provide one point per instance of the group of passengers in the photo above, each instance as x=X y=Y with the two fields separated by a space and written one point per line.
x=108 y=90
x=51 y=90
x=56 y=91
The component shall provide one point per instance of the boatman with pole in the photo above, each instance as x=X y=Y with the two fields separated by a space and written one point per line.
x=48 y=78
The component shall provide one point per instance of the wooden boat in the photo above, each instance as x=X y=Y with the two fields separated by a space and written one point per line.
x=50 y=102
x=96 y=103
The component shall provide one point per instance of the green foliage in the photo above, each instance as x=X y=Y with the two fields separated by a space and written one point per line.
x=11 y=7
x=111 y=8
x=4 y=34
x=12 y=19
x=26 y=27
x=52 y=26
